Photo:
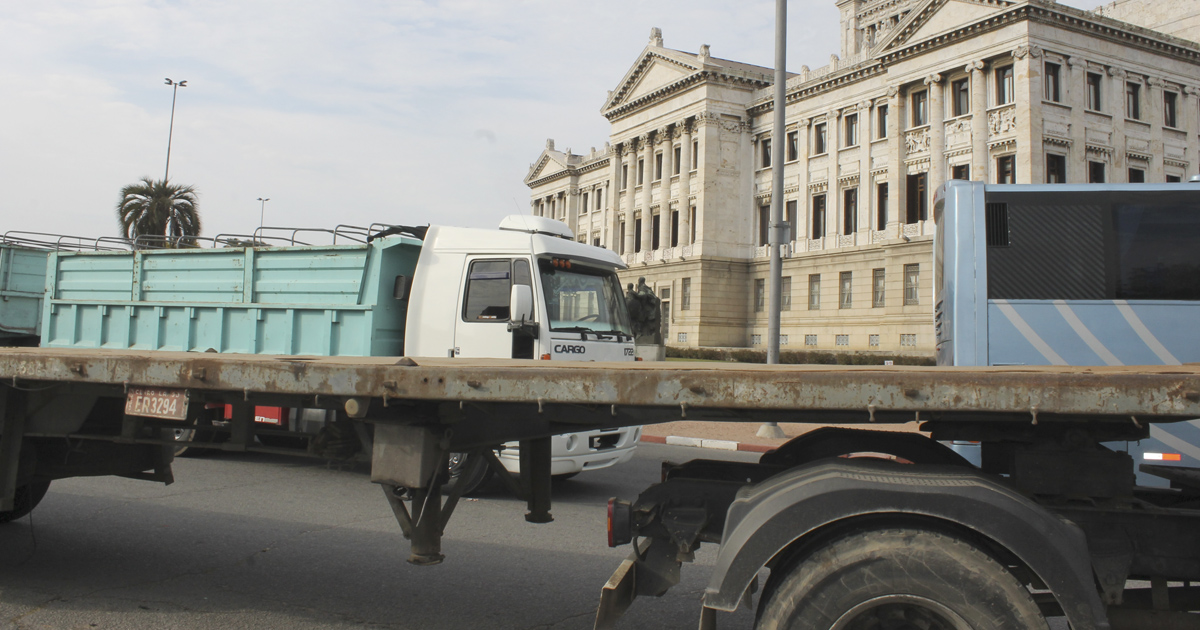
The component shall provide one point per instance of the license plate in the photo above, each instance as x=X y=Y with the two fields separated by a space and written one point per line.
x=601 y=442
x=168 y=404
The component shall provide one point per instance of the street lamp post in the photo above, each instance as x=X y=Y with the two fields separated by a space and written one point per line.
x=771 y=429
x=262 y=211
x=175 y=85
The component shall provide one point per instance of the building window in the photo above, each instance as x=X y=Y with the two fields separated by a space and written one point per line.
x=1170 y=102
x=881 y=206
x=783 y=340
x=960 y=94
x=878 y=285
x=756 y=340
x=678 y=157
x=810 y=340
x=881 y=119
x=760 y=295
x=961 y=171
x=685 y=294
x=841 y=340
x=1174 y=179
x=674 y=228
x=849 y=211
x=793 y=145
x=819 y=139
x=818 y=216
x=1056 y=169
x=1095 y=172
x=790 y=210
x=1006 y=167
x=637 y=235
x=1137 y=176
x=845 y=286
x=681 y=337
x=692 y=224
x=912 y=284
x=873 y=341
x=655 y=231
x=918 y=199
x=852 y=130
x=583 y=207
x=624 y=175
x=785 y=293
x=695 y=154
x=621 y=239
x=641 y=168
x=814 y=292
x=1004 y=85
x=596 y=242
x=658 y=158
x=907 y=341
x=599 y=199
x=766 y=152
x=1093 y=91
x=1053 y=82
x=920 y=108
x=1133 y=100
x=764 y=224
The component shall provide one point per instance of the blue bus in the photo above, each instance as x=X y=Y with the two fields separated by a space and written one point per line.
x=1066 y=274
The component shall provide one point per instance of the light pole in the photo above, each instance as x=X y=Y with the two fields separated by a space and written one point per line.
x=771 y=429
x=262 y=211
x=175 y=85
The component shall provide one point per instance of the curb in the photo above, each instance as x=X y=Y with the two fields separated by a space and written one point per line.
x=724 y=445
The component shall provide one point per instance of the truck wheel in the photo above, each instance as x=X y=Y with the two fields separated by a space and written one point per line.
x=895 y=579
x=27 y=498
x=458 y=470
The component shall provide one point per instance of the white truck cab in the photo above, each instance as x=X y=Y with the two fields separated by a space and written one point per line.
x=527 y=291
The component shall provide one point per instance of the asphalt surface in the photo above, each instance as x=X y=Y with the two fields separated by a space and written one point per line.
x=261 y=541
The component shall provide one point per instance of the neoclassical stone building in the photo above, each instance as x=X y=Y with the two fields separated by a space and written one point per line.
x=921 y=91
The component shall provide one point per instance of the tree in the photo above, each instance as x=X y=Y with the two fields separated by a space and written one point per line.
x=159 y=208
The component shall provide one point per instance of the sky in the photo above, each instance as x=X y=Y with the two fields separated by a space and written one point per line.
x=353 y=112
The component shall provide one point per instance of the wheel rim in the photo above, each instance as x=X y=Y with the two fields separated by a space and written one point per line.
x=181 y=435
x=458 y=462
x=900 y=612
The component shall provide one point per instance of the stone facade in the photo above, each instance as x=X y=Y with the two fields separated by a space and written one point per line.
x=922 y=91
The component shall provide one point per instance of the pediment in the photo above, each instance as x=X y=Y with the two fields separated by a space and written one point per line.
x=934 y=17
x=655 y=69
x=546 y=166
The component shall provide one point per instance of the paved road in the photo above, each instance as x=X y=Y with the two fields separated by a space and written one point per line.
x=256 y=541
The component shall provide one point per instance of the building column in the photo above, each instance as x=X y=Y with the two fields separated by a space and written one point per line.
x=1191 y=125
x=1154 y=92
x=647 y=156
x=866 y=192
x=833 y=199
x=803 y=204
x=1116 y=90
x=669 y=134
x=979 y=126
x=630 y=185
x=937 y=134
x=571 y=199
x=685 y=186
x=1028 y=88
x=613 y=237
x=1077 y=99
x=897 y=169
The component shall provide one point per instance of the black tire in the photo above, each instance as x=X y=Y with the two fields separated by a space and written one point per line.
x=27 y=498
x=897 y=578
x=458 y=465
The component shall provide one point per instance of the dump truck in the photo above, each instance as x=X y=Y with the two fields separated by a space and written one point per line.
x=839 y=528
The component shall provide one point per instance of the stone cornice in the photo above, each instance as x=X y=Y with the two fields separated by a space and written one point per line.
x=828 y=82
x=570 y=171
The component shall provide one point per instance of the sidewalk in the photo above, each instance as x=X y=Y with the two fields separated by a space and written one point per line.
x=736 y=436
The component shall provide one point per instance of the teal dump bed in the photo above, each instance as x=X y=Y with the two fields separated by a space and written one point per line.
x=22 y=283
x=332 y=300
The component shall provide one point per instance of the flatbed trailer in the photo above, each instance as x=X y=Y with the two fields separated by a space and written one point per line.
x=1055 y=529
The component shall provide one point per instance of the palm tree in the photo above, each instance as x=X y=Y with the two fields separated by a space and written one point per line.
x=158 y=208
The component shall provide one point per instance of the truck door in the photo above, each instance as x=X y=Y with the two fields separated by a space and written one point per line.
x=482 y=327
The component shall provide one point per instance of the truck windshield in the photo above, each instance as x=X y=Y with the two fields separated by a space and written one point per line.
x=584 y=299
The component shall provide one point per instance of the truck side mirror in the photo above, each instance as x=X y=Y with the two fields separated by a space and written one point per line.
x=520 y=305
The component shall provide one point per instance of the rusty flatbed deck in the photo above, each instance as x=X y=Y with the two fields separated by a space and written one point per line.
x=662 y=391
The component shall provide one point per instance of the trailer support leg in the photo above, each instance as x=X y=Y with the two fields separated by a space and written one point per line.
x=426 y=527
x=241 y=427
x=12 y=428
x=535 y=474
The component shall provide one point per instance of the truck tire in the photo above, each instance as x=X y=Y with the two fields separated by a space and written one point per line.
x=897 y=578
x=27 y=498
x=457 y=471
